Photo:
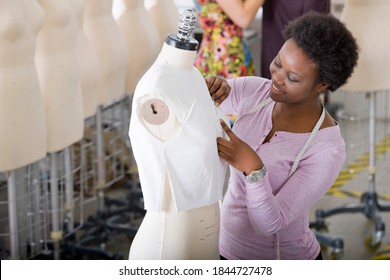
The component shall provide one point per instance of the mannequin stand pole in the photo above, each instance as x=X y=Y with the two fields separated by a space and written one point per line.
x=101 y=172
x=12 y=214
x=69 y=190
x=369 y=206
x=56 y=233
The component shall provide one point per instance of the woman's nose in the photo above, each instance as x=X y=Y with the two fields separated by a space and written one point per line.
x=277 y=77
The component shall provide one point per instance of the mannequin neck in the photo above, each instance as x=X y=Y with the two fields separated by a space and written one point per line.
x=178 y=57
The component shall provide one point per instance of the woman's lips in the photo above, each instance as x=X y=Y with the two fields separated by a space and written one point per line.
x=275 y=89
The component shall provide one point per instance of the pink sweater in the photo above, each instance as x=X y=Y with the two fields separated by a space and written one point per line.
x=260 y=220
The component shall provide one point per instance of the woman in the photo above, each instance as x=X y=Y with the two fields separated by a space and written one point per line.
x=285 y=150
x=223 y=51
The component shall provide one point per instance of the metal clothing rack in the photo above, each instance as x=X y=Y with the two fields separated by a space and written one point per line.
x=43 y=205
x=369 y=204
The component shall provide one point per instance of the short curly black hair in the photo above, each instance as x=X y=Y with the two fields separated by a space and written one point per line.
x=328 y=42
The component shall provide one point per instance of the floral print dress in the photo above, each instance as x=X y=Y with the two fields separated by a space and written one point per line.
x=223 y=51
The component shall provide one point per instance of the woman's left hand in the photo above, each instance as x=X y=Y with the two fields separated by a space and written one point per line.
x=238 y=153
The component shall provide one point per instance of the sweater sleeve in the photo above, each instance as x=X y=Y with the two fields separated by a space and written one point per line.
x=270 y=213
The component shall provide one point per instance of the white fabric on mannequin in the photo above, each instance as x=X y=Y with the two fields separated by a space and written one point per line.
x=142 y=39
x=86 y=56
x=22 y=116
x=367 y=20
x=59 y=75
x=178 y=223
x=164 y=14
x=107 y=40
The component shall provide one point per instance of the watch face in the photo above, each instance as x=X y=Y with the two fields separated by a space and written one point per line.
x=257 y=175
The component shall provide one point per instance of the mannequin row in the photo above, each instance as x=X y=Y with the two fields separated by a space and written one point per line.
x=59 y=61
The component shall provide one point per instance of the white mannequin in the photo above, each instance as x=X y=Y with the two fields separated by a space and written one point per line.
x=22 y=115
x=89 y=67
x=142 y=39
x=368 y=21
x=59 y=75
x=168 y=233
x=110 y=47
x=164 y=14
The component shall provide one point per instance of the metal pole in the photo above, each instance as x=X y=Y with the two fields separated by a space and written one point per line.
x=12 y=214
x=371 y=161
x=56 y=233
x=101 y=172
x=69 y=191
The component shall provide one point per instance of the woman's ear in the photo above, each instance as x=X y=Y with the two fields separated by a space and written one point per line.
x=321 y=87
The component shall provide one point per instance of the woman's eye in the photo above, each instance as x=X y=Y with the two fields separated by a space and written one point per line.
x=292 y=79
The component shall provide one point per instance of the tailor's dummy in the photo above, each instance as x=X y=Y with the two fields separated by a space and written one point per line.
x=173 y=131
x=22 y=115
x=59 y=75
x=109 y=44
x=368 y=21
x=89 y=67
x=142 y=39
x=164 y=14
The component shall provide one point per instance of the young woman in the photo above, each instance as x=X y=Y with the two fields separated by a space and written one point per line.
x=285 y=150
x=223 y=51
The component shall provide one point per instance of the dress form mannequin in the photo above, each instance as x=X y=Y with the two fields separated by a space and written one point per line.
x=366 y=19
x=172 y=229
x=142 y=39
x=86 y=56
x=22 y=114
x=105 y=37
x=164 y=14
x=59 y=75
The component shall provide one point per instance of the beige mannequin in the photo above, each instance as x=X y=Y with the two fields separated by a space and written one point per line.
x=142 y=39
x=164 y=14
x=89 y=67
x=368 y=21
x=109 y=44
x=59 y=75
x=168 y=233
x=22 y=116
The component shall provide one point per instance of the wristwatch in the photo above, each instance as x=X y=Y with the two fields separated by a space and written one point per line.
x=256 y=175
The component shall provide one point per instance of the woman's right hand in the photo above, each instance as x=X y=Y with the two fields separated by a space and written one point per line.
x=219 y=89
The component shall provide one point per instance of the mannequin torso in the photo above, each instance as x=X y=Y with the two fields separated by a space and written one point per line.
x=86 y=56
x=164 y=14
x=59 y=75
x=106 y=39
x=142 y=40
x=22 y=113
x=366 y=19
x=165 y=232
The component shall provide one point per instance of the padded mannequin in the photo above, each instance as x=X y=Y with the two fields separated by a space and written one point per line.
x=182 y=218
x=86 y=56
x=368 y=21
x=109 y=44
x=59 y=75
x=142 y=39
x=165 y=16
x=22 y=114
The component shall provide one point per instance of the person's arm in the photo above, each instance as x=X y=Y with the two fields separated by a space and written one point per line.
x=241 y=12
x=271 y=213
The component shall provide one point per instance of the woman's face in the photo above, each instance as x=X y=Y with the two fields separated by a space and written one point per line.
x=294 y=75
